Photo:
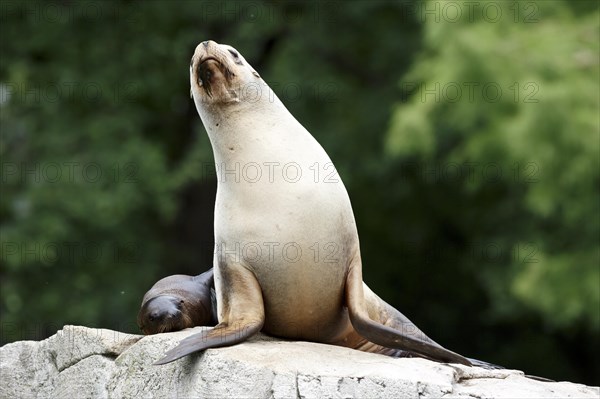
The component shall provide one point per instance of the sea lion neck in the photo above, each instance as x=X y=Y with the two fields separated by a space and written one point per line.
x=236 y=130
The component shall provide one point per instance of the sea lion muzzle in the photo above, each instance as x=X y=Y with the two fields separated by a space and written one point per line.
x=161 y=314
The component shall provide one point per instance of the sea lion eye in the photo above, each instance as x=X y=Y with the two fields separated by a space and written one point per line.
x=236 y=57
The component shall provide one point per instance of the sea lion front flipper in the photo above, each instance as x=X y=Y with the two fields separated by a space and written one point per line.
x=241 y=313
x=404 y=338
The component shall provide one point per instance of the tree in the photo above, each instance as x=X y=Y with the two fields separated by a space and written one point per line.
x=106 y=168
x=504 y=107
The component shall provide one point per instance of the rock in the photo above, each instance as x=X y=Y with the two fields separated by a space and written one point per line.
x=80 y=362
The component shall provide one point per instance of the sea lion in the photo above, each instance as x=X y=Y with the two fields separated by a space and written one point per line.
x=287 y=256
x=177 y=302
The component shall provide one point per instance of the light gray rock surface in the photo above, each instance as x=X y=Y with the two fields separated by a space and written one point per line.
x=80 y=362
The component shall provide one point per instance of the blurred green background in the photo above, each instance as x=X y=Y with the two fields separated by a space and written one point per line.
x=467 y=134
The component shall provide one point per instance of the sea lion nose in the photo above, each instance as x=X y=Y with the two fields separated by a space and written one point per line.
x=155 y=315
x=208 y=43
x=161 y=308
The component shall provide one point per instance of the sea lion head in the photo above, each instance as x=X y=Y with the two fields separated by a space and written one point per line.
x=219 y=74
x=164 y=313
x=178 y=302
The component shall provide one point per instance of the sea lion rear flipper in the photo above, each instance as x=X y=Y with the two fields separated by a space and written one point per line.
x=241 y=313
x=407 y=337
x=485 y=365
x=492 y=366
x=206 y=278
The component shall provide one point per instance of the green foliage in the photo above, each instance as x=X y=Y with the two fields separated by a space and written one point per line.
x=534 y=113
x=105 y=186
x=104 y=181
x=86 y=184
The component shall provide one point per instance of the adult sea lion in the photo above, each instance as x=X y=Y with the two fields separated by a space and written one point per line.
x=287 y=257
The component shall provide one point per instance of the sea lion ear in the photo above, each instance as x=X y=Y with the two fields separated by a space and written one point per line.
x=255 y=74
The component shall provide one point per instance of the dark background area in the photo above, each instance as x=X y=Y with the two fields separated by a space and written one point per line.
x=467 y=135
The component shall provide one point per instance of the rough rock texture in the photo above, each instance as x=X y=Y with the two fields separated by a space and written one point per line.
x=81 y=362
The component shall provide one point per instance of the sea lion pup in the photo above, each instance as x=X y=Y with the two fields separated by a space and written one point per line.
x=287 y=256
x=177 y=302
